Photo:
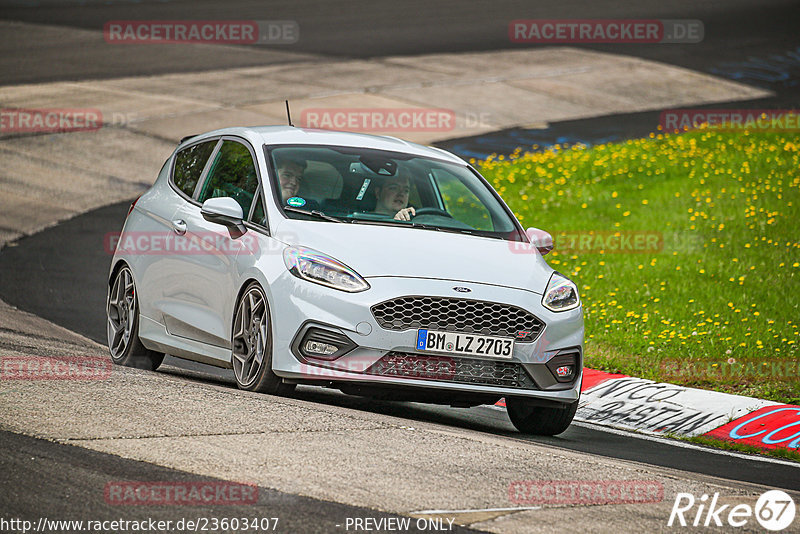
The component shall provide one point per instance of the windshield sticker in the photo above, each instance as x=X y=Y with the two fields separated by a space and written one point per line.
x=363 y=189
x=297 y=202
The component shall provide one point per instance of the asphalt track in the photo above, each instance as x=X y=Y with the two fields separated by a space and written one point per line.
x=68 y=288
x=76 y=478
x=59 y=274
x=752 y=42
x=735 y=30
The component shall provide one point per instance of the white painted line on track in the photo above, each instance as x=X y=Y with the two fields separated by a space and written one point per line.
x=476 y=510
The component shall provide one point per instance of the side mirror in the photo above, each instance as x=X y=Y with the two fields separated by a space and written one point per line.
x=540 y=239
x=225 y=211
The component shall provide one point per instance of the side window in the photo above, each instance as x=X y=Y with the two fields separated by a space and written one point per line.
x=232 y=174
x=462 y=203
x=259 y=217
x=189 y=164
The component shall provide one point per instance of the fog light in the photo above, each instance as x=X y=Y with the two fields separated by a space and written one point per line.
x=323 y=349
x=565 y=371
x=321 y=344
x=565 y=365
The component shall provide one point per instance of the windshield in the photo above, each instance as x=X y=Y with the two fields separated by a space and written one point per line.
x=360 y=185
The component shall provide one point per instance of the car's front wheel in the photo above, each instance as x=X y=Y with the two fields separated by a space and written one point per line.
x=539 y=420
x=252 y=345
x=122 y=311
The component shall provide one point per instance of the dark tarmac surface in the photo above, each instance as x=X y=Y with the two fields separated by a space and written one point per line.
x=66 y=285
x=59 y=274
x=76 y=480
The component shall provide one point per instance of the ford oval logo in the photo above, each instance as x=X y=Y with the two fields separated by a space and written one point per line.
x=461 y=289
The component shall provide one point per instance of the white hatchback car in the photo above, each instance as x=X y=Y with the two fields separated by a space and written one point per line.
x=364 y=263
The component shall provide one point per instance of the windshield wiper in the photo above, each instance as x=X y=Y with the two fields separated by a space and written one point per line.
x=428 y=227
x=397 y=222
x=477 y=233
x=451 y=230
x=314 y=213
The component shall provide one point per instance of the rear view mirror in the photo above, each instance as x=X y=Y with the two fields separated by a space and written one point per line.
x=542 y=240
x=379 y=166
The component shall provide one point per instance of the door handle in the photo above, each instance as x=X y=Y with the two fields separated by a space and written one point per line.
x=179 y=226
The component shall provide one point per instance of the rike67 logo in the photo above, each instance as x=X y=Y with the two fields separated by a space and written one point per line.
x=775 y=511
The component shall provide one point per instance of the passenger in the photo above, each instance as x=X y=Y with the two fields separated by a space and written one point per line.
x=392 y=198
x=290 y=175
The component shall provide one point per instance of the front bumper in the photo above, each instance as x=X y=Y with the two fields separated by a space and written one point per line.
x=390 y=358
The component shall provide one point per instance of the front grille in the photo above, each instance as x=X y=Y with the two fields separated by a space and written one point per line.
x=457 y=315
x=461 y=370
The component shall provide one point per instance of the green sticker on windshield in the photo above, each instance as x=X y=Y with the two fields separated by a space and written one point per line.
x=297 y=202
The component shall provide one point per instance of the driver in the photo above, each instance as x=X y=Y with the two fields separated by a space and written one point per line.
x=392 y=198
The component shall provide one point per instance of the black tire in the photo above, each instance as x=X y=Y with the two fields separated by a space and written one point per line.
x=248 y=343
x=122 y=325
x=539 y=420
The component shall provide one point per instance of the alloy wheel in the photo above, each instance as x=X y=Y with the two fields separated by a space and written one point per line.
x=251 y=336
x=121 y=311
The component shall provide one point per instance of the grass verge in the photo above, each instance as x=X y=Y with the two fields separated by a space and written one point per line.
x=709 y=297
x=780 y=452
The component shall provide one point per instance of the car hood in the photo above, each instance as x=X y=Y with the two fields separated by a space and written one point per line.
x=377 y=250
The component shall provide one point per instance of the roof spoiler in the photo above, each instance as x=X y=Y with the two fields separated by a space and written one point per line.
x=188 y=137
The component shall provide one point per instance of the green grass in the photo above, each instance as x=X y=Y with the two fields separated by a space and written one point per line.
x=779 y=452
x=725 y=288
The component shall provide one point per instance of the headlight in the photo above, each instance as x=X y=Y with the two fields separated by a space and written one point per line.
x=324 y=270
x=561 y=294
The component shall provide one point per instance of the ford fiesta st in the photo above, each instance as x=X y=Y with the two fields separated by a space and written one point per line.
x=363 y=263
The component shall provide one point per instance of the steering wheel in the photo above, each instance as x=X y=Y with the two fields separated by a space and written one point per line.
x=431 y=211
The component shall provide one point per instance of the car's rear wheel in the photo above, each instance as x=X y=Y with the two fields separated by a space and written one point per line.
x=122 y=310
x=252 y=345
x=539 y=420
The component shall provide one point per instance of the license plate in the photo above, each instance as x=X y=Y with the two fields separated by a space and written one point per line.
x=454 y=343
